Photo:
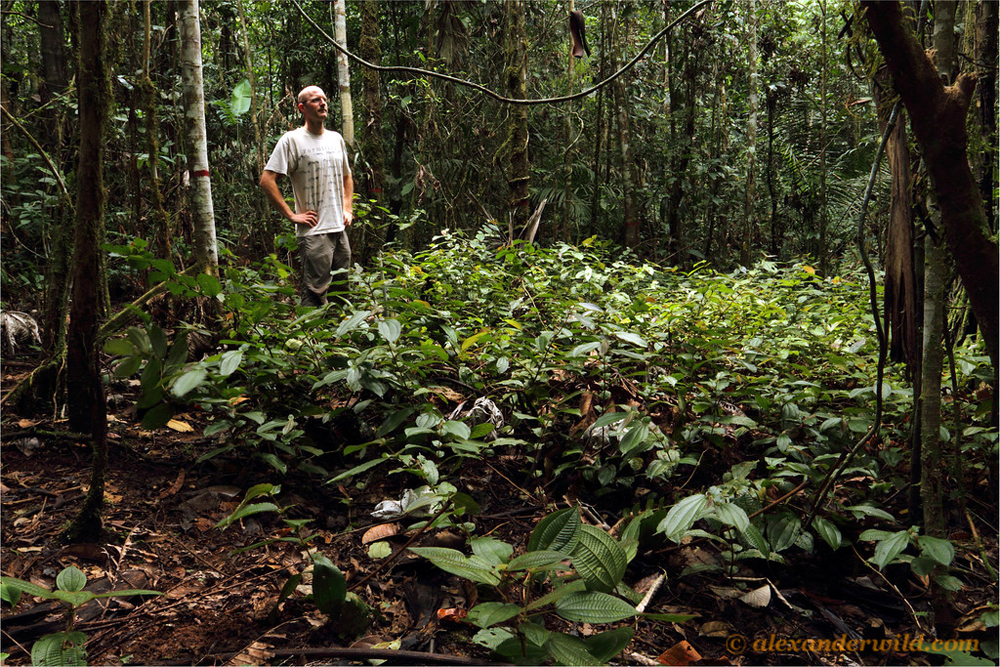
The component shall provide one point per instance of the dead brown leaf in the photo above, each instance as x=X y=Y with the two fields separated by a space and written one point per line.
x=680 y=654
x=256 y=653
x=380 y=532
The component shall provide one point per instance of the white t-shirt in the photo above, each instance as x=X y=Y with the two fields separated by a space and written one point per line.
x=316 y=165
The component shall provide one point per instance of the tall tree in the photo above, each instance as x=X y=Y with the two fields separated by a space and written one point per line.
x=203 y=214
x=753 y=102
x=343 y=73
x=87 y=407
x=630 y=220
x=516 y=72
x=937 y=117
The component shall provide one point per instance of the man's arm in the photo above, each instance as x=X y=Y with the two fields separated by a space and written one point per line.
x=269 y=184
x=348 y=199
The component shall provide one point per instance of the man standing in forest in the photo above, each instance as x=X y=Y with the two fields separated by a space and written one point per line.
x=315 y=159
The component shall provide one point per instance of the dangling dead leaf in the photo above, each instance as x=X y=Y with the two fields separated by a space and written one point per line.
x=758 y=597
x=255 y=654
x=380 y=532
x=680 y=654
x=179 y=426
x=27 y=423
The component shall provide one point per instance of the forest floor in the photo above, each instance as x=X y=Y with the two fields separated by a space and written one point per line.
x=219 y=603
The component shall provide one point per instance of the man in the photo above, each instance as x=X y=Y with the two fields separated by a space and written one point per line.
x=315 y=159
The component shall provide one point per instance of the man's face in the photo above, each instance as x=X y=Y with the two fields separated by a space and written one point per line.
x=314 y=107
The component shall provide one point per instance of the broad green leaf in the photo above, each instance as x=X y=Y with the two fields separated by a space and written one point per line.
x=239 y=103
x=783 y=532
x=568 y=650
x=949 y=582
x=329 y=585
x=535 y=560
x=559 y=531
x=352 y=322
x=682 y=516
x=10 y=594
x=594 y=607
x=732 y=515
x=128 y=367
x=485 y=614
x=491 y=638
x=73 y=598
x=231 y=360
x=158 y=340
x=756 y=540
x=607 y=645
x=59 y=649
x=599 y=559
x=27 y=587
x=491 y=550
x=557 y=594
x=209 y=284
x=890 y=547
x=635 y=339
x=608 y=418
x=390 y=330
x=190 y=380
x=157 y=417
x=393 y=421
x=473 y=568
x=358 y=469
x=633 y=439
x=828 y=531
x=584 y=349
x=940 y=550
x=119 y=347
x=126 y=593
x=245 y=511
x=457 y=429
x=71 y=579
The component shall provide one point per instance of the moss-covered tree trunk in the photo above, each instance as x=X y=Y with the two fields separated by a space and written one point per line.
x=87 y=408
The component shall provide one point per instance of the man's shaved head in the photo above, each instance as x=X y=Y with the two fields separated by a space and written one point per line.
x=307 y=91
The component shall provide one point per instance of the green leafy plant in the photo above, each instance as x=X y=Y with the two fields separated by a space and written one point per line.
x=934 y=554
x=570 y=569
x=329 y=587
x=65 y=647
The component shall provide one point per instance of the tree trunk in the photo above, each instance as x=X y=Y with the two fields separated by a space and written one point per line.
x=371 y=50
x=87 y=407
x=54 y=66
x=162 y=232
x=931 y=479
x=344 y=73
x=987 y=25
x=753 y=101
x=937 y=116
x=517 y=133
x=824 y=250
x=202 y=213
x=599 y=132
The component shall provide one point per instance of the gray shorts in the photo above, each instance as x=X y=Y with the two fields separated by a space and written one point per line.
x=323 y=254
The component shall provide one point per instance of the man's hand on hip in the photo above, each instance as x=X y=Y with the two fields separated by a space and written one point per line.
x=309 y=218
